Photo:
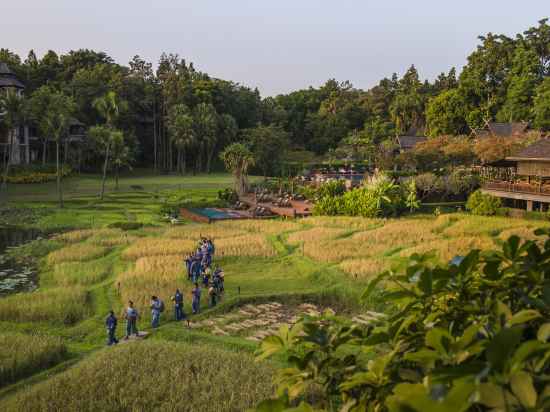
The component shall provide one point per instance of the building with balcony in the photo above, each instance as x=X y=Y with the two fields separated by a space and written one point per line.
x=523 y=180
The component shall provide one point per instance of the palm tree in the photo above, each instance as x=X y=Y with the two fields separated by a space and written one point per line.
x=238 y=159
x=55 y=123
x=180 y=126
x=206 y=124
x=12 y=109
x=108 y=107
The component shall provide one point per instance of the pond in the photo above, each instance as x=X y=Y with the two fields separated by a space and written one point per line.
x=15 y=277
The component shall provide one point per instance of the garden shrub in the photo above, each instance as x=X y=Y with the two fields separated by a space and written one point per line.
x=472 y=335
x=484 y=205
x=228 y=195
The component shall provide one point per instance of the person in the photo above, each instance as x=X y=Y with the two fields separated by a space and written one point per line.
x=131 y=315
x=196 y=299
x=111 y=323
x=156 y=309
x=188 y=261
x=178 y=306
x=213 y=293
x=205 y=279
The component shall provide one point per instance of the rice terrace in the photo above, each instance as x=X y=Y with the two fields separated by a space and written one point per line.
x=172 y=240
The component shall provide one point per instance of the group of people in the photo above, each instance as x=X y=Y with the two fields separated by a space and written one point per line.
x=199 y=271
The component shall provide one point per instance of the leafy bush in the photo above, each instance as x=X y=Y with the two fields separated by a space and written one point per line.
x=125 y=225
x=228 y=195
x=36 y=174
x=332 y=188
x=380 y=197
x=23 y=355
x=482 y=204
x=472 y=335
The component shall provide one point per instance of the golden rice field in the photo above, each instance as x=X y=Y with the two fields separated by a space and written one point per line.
x=23 y=354
x=74 y=273
x=152 y=376
x=59 y=305
x=79 y=252
x=158 y=246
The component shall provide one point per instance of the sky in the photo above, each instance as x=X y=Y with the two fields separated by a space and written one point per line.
x=277 y=46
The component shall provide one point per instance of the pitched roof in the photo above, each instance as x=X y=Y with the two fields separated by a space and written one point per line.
x=507 y=129
x=502 y=129
x=8 y=78
x=540 y=150
x=409 y=142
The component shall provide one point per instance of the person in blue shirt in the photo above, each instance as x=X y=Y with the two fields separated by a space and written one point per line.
x=131 y=315
x=111 y=323
x=156 y=309
x=196 y=299
x=178 y=306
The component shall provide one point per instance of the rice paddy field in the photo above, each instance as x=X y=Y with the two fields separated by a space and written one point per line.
x=275 y=271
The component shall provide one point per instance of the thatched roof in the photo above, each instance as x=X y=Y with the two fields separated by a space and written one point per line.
x=409 y=142
x=502 y=129
x=540 y=151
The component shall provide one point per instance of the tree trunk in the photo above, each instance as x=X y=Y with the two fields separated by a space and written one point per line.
x=7 y=165
x=155 y=133
x=183 y=161
x=199 y=157
x=44 y=146
x=58 y=169
x=209 y=160
x=116 y=177
x=104 y=172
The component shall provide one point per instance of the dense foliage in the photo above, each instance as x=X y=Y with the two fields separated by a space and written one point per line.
x=380 y=197
x=178 y=115
x=471 y=335
x=482 y=204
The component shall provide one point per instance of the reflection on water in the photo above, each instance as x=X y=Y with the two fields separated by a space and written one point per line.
x=15 y=277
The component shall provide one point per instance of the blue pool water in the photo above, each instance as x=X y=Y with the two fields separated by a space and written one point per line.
x=213 y=213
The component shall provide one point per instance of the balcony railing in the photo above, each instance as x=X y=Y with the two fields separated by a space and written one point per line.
x=517 y=187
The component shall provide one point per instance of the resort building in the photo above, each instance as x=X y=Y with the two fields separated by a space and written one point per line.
x=523 y=180
x=25 y=143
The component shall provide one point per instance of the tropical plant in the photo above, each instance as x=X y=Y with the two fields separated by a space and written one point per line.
x=471 y=335
x=411 y=200
x=106 y=138
x=53 y=113
x=180 y=126
x=12 y=111
x=206 y=125
x=482 y=204
x=238 y=159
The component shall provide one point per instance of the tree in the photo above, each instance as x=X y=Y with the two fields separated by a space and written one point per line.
x=206 y=124
x=522 y=82
x=268 y=144
x=52 y=110
x=106 y=138
x=180 y=126
x=541 y=109
x=122 y=156
x=108 y=106
x=407 y=107
x=445 y=113
x=238 y=159
x=12 y=112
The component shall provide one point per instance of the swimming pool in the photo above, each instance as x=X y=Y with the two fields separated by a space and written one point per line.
x=216 y=214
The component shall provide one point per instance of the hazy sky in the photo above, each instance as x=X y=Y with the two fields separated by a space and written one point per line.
x=277 y=45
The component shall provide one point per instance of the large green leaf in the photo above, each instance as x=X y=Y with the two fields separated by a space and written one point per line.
x=523 y=316
x=502 y=346
x=544 y=332
x=522 y=386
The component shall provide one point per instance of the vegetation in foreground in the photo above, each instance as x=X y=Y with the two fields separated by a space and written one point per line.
x=471 y=335
x=152 y=376
x=23 y=355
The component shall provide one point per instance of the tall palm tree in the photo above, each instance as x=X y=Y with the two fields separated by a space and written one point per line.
x=108 y=107
x=182 y=134
x=12 y=110
x=206 y=126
